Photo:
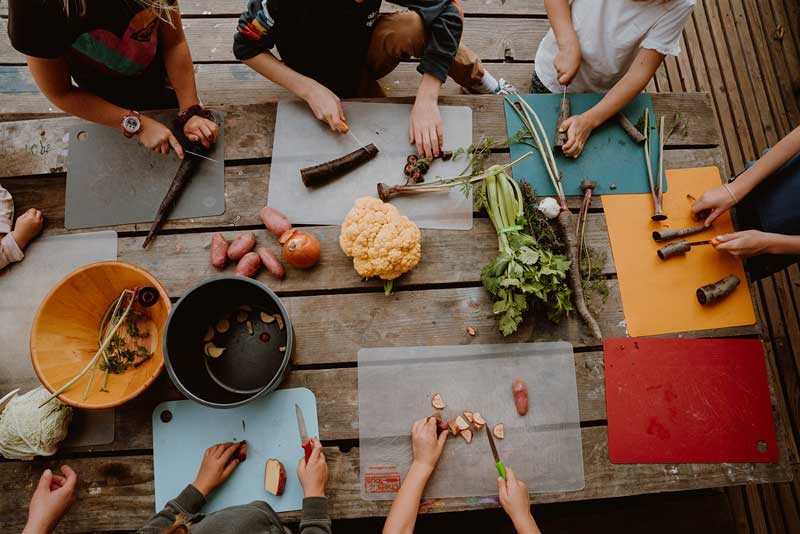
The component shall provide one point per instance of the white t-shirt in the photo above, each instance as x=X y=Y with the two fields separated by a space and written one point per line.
x=610 y=33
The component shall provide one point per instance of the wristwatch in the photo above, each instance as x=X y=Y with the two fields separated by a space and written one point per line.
x=131 y=123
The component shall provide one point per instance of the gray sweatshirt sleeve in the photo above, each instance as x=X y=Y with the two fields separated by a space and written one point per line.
x=444 y=22
x=315 y=518
x=190 y=501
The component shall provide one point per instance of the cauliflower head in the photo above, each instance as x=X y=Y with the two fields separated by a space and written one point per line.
x=381 y=242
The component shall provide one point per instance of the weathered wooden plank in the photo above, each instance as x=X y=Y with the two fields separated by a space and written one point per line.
x=336 y=391
x=40 y=146
x=470 y=7
x=211 y=39
x=738 y=509
x=116 y=493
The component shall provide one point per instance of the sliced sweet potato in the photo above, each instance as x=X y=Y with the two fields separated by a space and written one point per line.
x=274 y=477
x=467 y=435
x=469 y=416
x=499 y=431
x=437 y=402
x=461 y=423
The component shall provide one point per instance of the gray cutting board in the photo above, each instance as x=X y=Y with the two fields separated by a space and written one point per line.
x=113 y=180
x=23 y=287
x=301 y=141
x=544 y=447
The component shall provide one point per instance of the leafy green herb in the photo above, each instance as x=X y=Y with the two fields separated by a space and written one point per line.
x=526 y=273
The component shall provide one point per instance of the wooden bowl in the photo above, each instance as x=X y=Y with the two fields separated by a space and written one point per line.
x=64 y=336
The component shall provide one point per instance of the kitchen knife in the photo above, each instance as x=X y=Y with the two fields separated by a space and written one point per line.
x=501 y=468
x=305 y=441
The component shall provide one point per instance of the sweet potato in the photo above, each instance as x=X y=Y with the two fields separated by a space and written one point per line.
x=437 y=402
x=241 y=246
x=241 y=452
x=467 y=435
x=274 y=477
x=499 y=431
x=275 y=221
x=271 y=263
x=520 y=391
x=219 y=251
x=248 y=265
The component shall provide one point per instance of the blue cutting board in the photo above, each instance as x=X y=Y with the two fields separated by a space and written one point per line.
x=268 y=424
x=609 y=157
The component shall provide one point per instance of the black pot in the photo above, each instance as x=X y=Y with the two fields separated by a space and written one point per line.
x=252 y=364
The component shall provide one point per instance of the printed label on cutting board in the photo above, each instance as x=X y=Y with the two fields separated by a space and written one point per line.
x=382 y=479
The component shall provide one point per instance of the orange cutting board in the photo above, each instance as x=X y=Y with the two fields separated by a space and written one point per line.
x=658 y=296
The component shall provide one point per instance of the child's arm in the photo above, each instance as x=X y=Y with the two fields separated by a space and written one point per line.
x=722 y=198
x=313 y=476
x=427 y=451
x=516 y=502
x=754 y=242
x=178 y=62
x=444 y=22
x=53 y=78
x=215 y=469
x=568 y=59
x=580 y=127
x=323 y=102
x=51 y=501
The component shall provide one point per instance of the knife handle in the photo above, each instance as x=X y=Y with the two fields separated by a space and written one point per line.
x=501 y=470
x=308 y=446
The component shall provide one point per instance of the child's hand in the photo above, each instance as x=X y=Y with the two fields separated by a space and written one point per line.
x=427 y=445
x=578 y=129
x=567 y=61
x=718 y=200
x=52 y=499
x=325 y=106
x=313 y=474
x=516 y=502
x=216 y=467
x=201 y=129
x=158 y=137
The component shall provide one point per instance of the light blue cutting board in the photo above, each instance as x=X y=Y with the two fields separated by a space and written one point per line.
x=268 y=424
x=609 y=157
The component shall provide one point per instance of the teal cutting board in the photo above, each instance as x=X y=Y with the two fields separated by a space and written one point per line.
x=609 y=157
x=268 y=424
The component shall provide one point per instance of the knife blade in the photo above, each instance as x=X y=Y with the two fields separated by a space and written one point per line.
x=305 y=441
x=199 y=155
x=349 y=132
x=501 y=468
x=704 y=242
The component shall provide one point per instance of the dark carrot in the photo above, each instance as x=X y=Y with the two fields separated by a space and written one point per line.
x=564 y=111
x=325 y=172
x=666 y=235
x=635 y=135
x=718 y=290
x=186 y=171
x=567 y=225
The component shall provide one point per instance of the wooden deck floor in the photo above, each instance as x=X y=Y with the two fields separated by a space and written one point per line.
x=745 y=53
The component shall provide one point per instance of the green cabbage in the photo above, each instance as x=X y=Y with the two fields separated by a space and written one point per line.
x=26 y=430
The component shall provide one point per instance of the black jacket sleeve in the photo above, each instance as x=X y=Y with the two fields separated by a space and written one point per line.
x=443 y=24
x=254 y=33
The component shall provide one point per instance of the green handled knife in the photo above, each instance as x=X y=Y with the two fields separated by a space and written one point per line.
x=501 y=468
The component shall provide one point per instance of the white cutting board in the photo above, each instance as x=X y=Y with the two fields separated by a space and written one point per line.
x=23 y=287
x=302 y=141
x=544 y=448
x=269 y=425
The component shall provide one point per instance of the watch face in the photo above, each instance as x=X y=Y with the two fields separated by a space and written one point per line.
x=131 y=124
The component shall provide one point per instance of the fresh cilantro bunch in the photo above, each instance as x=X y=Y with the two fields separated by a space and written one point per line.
x=525 y=273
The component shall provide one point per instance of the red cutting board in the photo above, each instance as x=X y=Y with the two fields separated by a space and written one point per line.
x=688 y=401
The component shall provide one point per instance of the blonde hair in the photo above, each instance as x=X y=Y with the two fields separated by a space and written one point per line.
x=163 y=7
x=180 y=526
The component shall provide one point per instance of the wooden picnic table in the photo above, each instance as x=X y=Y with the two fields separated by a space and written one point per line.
x=335 y=314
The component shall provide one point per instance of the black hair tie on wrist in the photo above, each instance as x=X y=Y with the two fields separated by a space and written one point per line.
x=193 y=111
